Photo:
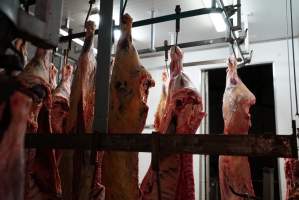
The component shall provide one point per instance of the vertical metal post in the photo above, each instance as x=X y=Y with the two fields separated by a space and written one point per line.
x=268 y=183
x=207 y=168
x=213 y=4
x=153 y=31
x=239 y=25
x=103 y=67
x=121 y=5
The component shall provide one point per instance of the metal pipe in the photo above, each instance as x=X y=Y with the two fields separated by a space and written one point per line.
x=187 y=45
x=100 y=123
x=155 y=20
x=177 y=23
x=213 y=4
x=152 y=31
x=124 y=8
x=238 y=27
x=121 y=5
x=293 y=55
x=268 y=183
x=170 y=17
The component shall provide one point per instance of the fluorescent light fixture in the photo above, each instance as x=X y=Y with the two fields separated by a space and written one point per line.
x=216 y=18
x=117 y=34
x=95 y=18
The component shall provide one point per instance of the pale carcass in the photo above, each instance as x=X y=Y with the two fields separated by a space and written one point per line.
x=234 y=171
x=129 y=87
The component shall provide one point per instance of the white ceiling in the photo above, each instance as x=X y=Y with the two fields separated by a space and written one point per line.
x=267 y=19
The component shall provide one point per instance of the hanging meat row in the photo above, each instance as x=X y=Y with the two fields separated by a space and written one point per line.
x=35 y=103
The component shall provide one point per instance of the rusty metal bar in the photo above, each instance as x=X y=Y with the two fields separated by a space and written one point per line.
x=247 y=145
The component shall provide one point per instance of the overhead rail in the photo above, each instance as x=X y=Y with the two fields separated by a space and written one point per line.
x=188 y=44
x=190 y=13
x=227 y=12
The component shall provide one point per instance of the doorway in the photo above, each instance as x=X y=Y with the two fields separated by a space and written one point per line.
x=259 y=80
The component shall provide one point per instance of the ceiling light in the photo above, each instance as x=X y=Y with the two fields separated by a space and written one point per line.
x=216 y=18
x=95 y=18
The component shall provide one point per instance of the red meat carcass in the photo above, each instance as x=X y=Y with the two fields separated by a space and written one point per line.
x=83 y=181
x=42 y=179
x=182 y=115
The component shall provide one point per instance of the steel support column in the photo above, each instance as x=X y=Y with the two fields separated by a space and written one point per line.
x=103 y=67
x=268 y=183
x=153 y=33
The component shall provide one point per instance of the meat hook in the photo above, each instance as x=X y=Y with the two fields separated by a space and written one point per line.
x=124 y=8
x=91 y=2
x=177 y=23
x=166 y=55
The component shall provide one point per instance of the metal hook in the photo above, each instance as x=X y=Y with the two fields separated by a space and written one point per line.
x=166 y=55
x=177 y=23
x=124 y=7
x=91 y=2
x=70 y=32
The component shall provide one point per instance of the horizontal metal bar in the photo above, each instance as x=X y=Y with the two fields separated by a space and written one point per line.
x=247 y=145
x=190 y=13
x=205 y=62
x=197 y=63
x=188 y=45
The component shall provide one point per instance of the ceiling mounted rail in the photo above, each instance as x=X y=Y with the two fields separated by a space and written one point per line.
x=166 y=18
